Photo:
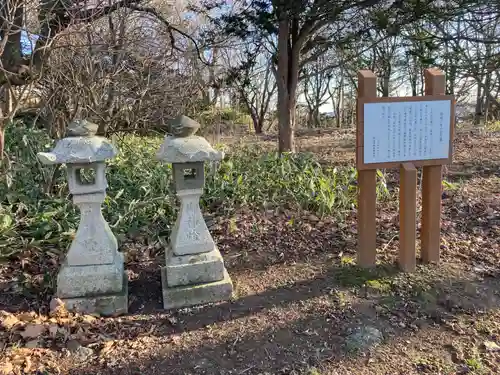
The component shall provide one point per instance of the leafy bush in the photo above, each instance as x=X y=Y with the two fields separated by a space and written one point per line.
x=249 y=176
x=493 y=126
x=35 y=209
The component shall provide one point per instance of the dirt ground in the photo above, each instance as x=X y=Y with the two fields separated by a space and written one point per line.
x=298 y=296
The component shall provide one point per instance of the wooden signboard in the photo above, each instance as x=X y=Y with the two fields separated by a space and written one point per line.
x=417 y=130
x=403 y=132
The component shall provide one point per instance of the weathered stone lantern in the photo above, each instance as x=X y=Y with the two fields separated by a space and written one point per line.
x=92 y=277
x=194 y=272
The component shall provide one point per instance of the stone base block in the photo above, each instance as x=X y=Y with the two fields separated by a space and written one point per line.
x=91 y=280
x=105 y=305
x=198 y=294
x=194 y=269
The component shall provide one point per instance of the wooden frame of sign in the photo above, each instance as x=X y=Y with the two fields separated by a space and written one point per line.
x=397 y=144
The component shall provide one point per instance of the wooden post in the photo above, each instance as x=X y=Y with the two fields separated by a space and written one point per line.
x=367 y=185
x=430 y=232
x=407 y=216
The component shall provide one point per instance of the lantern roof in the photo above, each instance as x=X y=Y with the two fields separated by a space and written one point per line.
x=81 y=146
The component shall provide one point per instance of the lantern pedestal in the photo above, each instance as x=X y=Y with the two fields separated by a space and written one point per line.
x=196 y=294
x=110 y=304
x=193 y=269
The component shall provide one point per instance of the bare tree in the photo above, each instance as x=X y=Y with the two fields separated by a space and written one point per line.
x=68 y=28
x=254 y=84
x=316 y=82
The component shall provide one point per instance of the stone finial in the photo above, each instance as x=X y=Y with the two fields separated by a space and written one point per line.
x=183 y=126
x=80 y=146
x=81 y=128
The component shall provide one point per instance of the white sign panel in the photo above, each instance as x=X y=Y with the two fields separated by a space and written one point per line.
x=404 y=131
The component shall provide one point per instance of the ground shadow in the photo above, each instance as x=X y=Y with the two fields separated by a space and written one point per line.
x=312 y=338
x=145 y=287
x=337 y=276
x=460 y=172
x=278 y=243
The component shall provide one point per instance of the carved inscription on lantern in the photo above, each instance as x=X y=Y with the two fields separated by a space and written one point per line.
x=192 y=219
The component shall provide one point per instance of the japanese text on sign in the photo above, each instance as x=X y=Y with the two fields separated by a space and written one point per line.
x=406 y=131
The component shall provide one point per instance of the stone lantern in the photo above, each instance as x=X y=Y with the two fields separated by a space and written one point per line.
x=92 y=277
x=194 y=272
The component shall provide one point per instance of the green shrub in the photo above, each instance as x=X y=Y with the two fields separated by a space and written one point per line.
x=140 y=200
x=493 y=126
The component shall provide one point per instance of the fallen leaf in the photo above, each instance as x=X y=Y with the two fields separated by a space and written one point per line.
x=9 y=321
x=107 y=347
x=57 y=308
x=491 y=346
x=17 y=360
x=176 y=339
x=6 y=368
x=150 y=331
x=61 y=321
x=33 y=331
x=26 y=317
x=27 y=365
x=88 y=318
x=313 y=218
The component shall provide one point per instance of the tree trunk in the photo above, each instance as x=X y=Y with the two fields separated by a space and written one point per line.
x=487 y=84
x=261 y=121
x=286 y=122
x=313 y=117
x=2 y=139
x=338 y=119
x=487 y=105
x=422 y=81
x=309 y=119
x=287 y=74
x=352 y=107
x=257 y=124
x=340 y=101
x=317 y=118
x=479 y=106
x=5 y=113
x=413 y=75
x=385 y=83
